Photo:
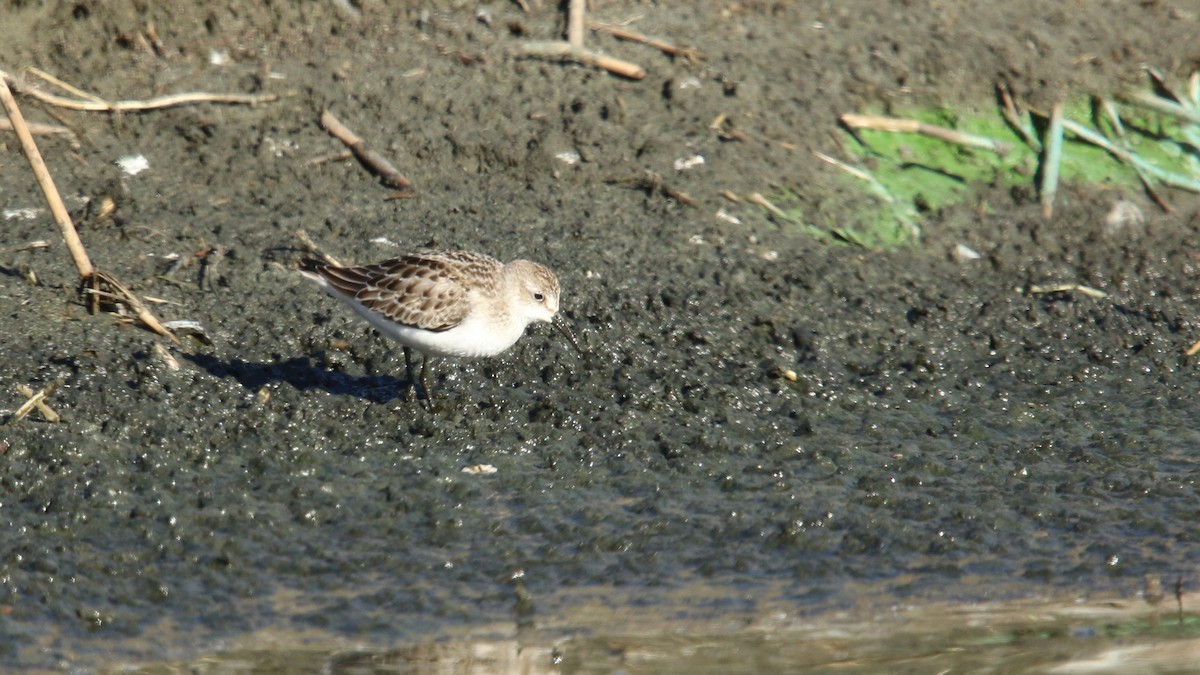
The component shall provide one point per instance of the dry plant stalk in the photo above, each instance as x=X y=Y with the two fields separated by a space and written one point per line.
x=91 y=102
x=900 y=125
x=576 y=12
x=35 y=128
x=572 y=48
x=565 y=50
x=757 y=198
x=119 y=294
x=1193 y=350
x=311 y=247
x=633 y=36
x=373 y=161
x=42 y=174
x=87 y=272
x=36 y=400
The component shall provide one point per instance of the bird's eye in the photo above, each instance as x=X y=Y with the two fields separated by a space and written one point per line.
x=539 y=297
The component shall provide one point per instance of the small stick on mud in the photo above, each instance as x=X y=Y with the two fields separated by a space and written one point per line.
x=311 y=247
x=1193 y=350
x=572 y=48
x=1047 y=289
x=757 y=198
x=652 y=183
x=566 y=51
x=38 y=129
x=36 y=400
x=39 y=243
x=1160 y=104
x=105 y=287
x=331 y=157
x=90 y=102
x=894 y=124
x=1015 y=120
x=633 y=36
x=373 y=161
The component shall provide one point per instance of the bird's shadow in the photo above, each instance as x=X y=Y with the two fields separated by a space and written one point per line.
x=303 y=374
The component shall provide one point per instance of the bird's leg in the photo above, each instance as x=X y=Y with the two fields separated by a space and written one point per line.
x=418 y=382
x=408 y=370
x=424 y=382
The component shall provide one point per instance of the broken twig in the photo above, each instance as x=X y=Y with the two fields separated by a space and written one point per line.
x=632 y=36
x=117 y=293
x=894 y=124
x=36 y=400
x=311 y=247
x=569 y=52
x=373 y=161
x=572 y=48
x=40 y=129
x=1046 y=289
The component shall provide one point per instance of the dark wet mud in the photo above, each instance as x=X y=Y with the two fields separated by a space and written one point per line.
x=774 y=420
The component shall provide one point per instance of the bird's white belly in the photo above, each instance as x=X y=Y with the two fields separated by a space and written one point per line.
x=473 y=337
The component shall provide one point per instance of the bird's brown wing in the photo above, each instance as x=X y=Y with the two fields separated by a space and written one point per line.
x=419 y=290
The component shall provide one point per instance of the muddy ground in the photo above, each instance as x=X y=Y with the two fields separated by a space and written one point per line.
x=949 y=436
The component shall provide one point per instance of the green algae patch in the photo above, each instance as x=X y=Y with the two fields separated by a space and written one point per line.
x=914 y=162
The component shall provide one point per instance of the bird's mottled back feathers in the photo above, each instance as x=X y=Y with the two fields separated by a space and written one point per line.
x=422 y=290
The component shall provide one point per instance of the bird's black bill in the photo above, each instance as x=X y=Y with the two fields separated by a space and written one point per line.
x=561 y=326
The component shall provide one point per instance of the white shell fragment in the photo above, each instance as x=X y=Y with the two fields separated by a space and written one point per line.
x=728 y=217
x=964 y=253
x=568 y=157
x=480 y=469
x=184 y=327
x=21 y=214
x=133 y=164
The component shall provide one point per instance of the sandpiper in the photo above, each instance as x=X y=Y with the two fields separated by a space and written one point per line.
x=445 y=303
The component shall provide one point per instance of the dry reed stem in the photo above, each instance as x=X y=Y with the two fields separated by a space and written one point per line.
x=46 y=182
x=91 y=102
x=575 y=20
x=572 y=48
x=83 y=264
x=910 y=126
x=38 y=129
x=565 y=50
